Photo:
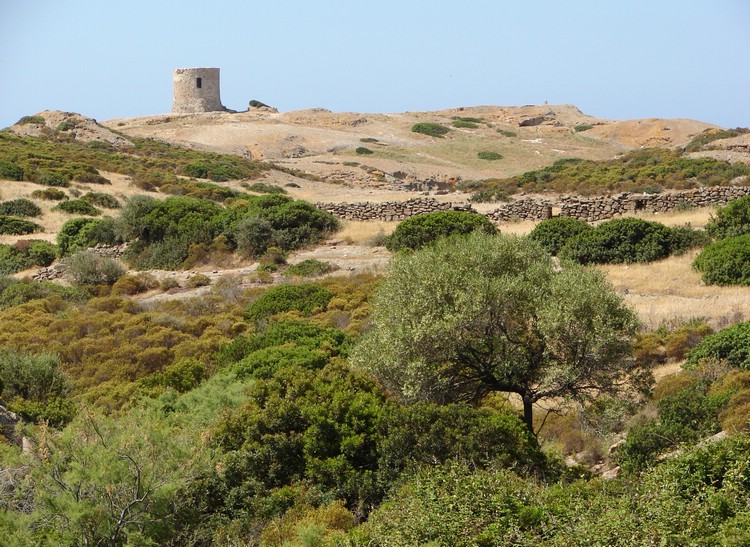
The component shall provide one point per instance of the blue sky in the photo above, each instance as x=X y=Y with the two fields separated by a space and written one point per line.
x=613 y=59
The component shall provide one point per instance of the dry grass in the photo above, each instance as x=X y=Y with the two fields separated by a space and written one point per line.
x=365 y=232
x=695 y=217
x=671 y=290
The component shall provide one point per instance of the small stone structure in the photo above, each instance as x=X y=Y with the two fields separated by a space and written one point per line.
x=196 y=90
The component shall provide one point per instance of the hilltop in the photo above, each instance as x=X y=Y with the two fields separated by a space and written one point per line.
x=324 y=143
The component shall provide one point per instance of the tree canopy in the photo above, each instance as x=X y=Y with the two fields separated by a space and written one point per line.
x=478 y=314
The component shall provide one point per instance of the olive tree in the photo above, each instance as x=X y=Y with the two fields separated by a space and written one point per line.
x=479 y=314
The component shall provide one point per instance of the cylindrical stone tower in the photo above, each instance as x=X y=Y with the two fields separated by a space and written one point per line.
x=196 y=90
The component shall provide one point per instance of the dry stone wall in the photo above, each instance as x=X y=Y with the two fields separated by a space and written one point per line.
x=389 y=210
x=522 y=209
x=602 y=208
x=588 y=209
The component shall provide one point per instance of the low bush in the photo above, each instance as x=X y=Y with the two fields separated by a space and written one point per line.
x=17 y=226
x=617 y=241
x=134 y=284
x=102 y=200
x=417 y=231
x=25 y=254
x=197 y=280
x=83 y=233
x=731 y=345
x=725 y=262
x=20 y=207
x=77 y=207
x=50 y=194
x=430 y=129
x=309 y=268
x=507 y=133
x=304 y=298
x=361 y=150
x=10 y=171
x=554 y=233
x=88 y=268
x=368 y=140
x=732 y=220
x=465 y=124
x=265 y=188
x=489 y=155
x=582 y=127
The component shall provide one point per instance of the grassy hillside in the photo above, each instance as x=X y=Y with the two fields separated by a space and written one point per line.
x=218 y=404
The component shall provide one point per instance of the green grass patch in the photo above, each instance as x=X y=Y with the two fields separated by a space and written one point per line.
x=582 y=127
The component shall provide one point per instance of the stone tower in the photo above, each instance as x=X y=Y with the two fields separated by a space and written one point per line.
x=196 y=90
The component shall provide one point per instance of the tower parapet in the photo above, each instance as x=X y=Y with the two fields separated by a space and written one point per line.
x=196 y=90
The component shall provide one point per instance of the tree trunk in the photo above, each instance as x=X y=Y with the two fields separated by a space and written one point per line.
x=528 y=413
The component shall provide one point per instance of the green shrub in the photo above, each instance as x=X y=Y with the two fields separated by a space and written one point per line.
x=181 y=376
x=685 y=238
x=554 y=233
x=50 y=194
x=218 y=170
x=304 y=298
x=20 y=207
x=88 y=268
x=732 y=220
x=417 y=231
x=82 y=233
x=489 y=155
x=582 y=127
x=77 y=207
x=731 y=345
x=617 y=241
x=465 y=124
x=634 y=171
x=10 y=171
x=361 y=150
x=430 y=129
x=427 y=434
x=309 y=268
x=26 y=254
x=53 y=179
x=368 y=140
x=36 y=386
x=265 y=188
x=253 y=235
x=102 y=200
x=17 y=226
x=726 y=262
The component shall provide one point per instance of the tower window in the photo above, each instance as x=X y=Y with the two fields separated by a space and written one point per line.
x=199 y=82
